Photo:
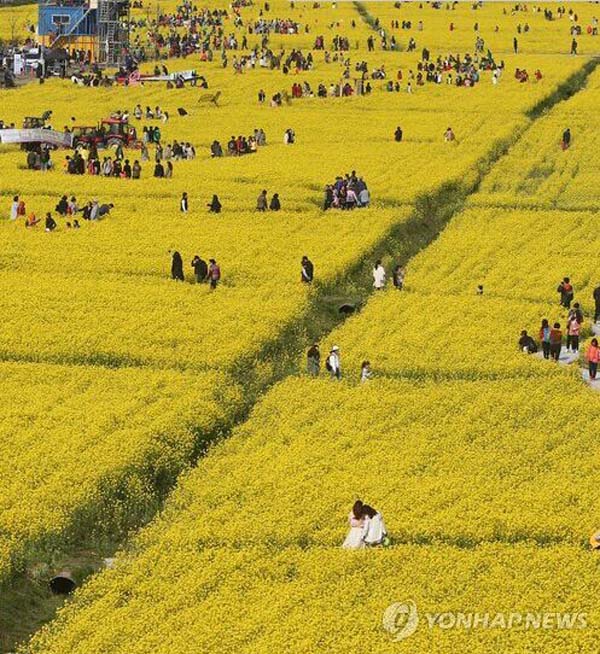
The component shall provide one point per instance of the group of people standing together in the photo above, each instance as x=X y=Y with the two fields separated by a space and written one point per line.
x=203 y=272
x=552 y=337
x=348 y=192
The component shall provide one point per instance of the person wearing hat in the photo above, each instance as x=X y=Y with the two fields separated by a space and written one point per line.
x=313 y=360
x=333 y=363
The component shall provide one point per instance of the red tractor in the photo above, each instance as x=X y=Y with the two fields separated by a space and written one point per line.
x=109 y=133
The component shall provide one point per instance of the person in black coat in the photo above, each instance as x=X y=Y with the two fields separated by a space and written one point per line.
x=308 y=270
x=275 y=204
x=214 y=206
x=177 y=267
x=398 y=134
x=62 y=206
x=200 y=269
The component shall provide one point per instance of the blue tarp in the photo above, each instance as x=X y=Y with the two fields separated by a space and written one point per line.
x=53 y=19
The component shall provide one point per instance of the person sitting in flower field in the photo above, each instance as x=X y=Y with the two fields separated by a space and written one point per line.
x=526 y=343
x=367 y=528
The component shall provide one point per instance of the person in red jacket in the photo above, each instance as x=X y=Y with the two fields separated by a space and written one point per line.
x=593 y=357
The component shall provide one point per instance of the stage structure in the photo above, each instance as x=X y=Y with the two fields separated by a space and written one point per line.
x=100 y=27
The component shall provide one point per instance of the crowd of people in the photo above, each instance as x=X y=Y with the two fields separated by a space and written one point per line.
x=347 y=192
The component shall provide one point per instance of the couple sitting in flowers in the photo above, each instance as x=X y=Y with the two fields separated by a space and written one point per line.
x=367 y=528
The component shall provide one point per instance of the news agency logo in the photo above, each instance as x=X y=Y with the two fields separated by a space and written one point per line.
x=401 y=620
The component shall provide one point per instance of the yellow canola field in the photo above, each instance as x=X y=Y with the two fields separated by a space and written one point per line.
x=538 y=173
x=497 y=24
x=74 y=439
x=74 y=314
x=516 y=255
x=248 y=552
x=443 y=335
x=476 y=465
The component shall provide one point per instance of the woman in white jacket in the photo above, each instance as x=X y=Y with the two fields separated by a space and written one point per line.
x=374 y=531
x=379 y=276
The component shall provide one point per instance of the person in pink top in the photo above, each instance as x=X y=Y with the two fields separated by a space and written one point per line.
x=573 y=331
x=214 y=273
x=593 y=357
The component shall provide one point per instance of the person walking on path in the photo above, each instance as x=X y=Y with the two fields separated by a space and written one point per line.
x=573 y=331
x=177 y=267
x=261 y=201
x=308 y=270
x=333 y=363
x=398 y=277
x=593 y=357
x=214 y=273
x=545 y=338
x=183 y=203
x=379 y=276
x=200 y=269
x=565 y=289
x=576 y=313
x=555 y=341
x=313 y=360
x=574 y=47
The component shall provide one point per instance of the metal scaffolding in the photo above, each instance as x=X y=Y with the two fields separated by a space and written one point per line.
x=113 y=31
